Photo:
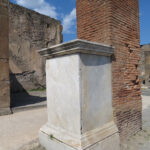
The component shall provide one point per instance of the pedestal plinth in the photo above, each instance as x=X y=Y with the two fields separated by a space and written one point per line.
x=79 y=98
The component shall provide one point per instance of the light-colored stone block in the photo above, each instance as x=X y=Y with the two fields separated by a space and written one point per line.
x=95 y=90
x=79 y=98
x=110 y=143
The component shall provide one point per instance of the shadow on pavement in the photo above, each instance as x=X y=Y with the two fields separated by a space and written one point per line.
x=24 y=99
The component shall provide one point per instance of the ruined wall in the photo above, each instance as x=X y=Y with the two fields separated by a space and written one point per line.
x=29 y=31
x=116 y=22
x=142 y=63
x=4 y=58
x=145 y=64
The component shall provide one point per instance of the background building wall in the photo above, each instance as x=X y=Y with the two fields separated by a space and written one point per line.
x=145 y=64
x=29 y=31
x=4 y=58
x=116 y=22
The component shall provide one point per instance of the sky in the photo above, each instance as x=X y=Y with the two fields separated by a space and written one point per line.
x=145 y=21
x=65 y=11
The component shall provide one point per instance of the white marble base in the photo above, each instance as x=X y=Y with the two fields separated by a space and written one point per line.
x=111 y=142
x=79 y=98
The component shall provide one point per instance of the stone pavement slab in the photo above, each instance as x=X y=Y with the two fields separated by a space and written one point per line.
x=141 y=140
x=21 y=128
x=28 y=100
x=19 y=131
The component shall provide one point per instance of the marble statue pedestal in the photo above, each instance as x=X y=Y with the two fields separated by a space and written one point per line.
x=79 y=98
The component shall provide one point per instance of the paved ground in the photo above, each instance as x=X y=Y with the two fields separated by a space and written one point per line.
x=20 y=128
x=141 y=141
x=28 y=100
x=19 y=131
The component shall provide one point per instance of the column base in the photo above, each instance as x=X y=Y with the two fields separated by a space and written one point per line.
x=106 y=142
x=5 y=111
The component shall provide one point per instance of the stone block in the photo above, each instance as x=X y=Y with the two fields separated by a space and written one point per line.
x=4 y=28
x=4 y=46
x=54 y=144
x=4 y=70
x=79 y=97
x=4 y=94
x=5 y=2
x=5 y=111
x=3 y=9
x=28 y=32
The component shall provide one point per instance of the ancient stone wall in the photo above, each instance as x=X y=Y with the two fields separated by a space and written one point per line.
x=142 y=63
x=116 y=22
x=145 y=64
x=29 y=31
x=4 y=58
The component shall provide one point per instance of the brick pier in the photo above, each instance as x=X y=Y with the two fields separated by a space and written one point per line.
x=116 y=22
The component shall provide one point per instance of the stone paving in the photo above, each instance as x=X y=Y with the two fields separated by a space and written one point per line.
x=19 y=131
x=141 y=141
x=28 y=100
x=21 y=128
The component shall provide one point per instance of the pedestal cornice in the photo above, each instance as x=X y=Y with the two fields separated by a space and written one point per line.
x=77 y=46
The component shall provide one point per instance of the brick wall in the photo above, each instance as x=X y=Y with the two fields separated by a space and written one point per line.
x=116 y=22
x=4 y=66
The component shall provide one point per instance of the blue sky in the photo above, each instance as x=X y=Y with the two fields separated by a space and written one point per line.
x=145 y=21
x=64 y=10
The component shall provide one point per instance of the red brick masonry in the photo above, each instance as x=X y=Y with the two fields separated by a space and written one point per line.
x=116 y=22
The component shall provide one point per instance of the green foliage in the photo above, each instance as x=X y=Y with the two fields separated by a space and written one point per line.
x=51 y=137
x=37 y=90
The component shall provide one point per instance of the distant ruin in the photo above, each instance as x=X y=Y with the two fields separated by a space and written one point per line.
x=28 y=32
x=4 y=59
x=22 y=33
x=145 y=64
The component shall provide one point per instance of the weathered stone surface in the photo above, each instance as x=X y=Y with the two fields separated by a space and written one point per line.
x=29 y=31
x=4 y=94
x=77 y=46
x=107 y=144
x=79 y=97
x=145 y=64
x=4 y=8
x=4 y=34
x=3 y=52
x=4 y=67
x=5 y=111
x=4 y=26
x=4 y=70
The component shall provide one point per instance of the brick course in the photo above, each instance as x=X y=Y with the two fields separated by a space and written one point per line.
x=116 y=22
